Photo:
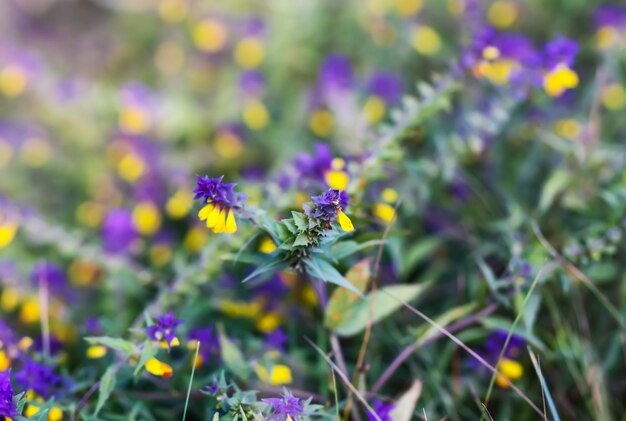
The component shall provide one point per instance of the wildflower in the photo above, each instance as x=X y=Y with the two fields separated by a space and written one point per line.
x=610 y=20
x=50 y=273
x=159 y=368
x=426 y=41
x=118 y=231
x=267 y=245
x=560 y=55
x=249 y=52
x=40 y=378
x=284 y=408
x=9 y=225
x=278 y=375
x=276 y=340
x=252 y=82
x=221 y=201
x=509 y=368
x=209 y=343
x=136 y=110
x=336 y=75
x=7 y=407
x=95 y=352
x=146 y=218
x=163 y=329
x=385 y=89
x=329 y=207
x=382 y=410
x=210 y=35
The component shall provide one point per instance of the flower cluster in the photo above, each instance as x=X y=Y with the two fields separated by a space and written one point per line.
x=7 y=407
x=163 y=329
x=220 y=199
x=285 y=408
x=329 y=207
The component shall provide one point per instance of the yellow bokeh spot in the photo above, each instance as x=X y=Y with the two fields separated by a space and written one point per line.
x=6 y=153
x=279 y=375
x=491 y=53
x=95 y=352
x=55 y=414
x=25 y=343
x=337 y=179
x=614 y=96
x=374 y=109
x=241 y=309
x=456 y=7
x=82 y=272
x=510 y=370
x=169 y=58
x=13 y=81
x=131 y=167
x=5 y=361
x=568 y=128
x=502 y=13
x=228 y=145
x=606 y=37
x=309 y=296
x=134 y=120
x=389 y=195
x=90 y=214
x=255 y=115
x=173 y=11
x=408 y=7
x=498 y=72
x=36 y=152
x=30 y=312
x=210 y=35
x=426 y=40
x=160 y=254
x=10 y=299
x=249 y=52
x=321 y=123
x=158 y=368
x=269 y=322
x=195 y=239
x=179 y=205
x=267 y=245
x=146 y=218
x=560 y=79
x=8 y=229
x=384 y=211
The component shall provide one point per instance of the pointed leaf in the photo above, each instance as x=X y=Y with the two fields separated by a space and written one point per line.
x=342 y=300
x=321 y=269
x=405 y=406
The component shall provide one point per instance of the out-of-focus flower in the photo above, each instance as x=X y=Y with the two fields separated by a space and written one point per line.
x=50 y=273
x=9 y=225
x=614 y=96
x=278 y=375
x=426 y=40
x=118 y=231
x=384 y=89
x=284 y=408
x=146 y=218
x=209 y=343
x=163 y=330
x=384 y=210
x=159 y=368
x=17 y=71
x=610 y=21
x=40 y=378
x=276 y=340
x=509 y=368
x=383 y=410
x=560 y=55
x=336 y=75
x=221 y=201
x=250 y=52
x=329 y=207
x=210 y=35
x=7 y=407
x=255 y=115
x=137 y=110
x=502 y=13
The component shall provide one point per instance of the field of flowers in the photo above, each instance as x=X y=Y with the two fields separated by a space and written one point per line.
x=298 y=210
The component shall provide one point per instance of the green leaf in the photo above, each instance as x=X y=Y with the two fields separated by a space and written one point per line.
x=348 y=248
x=232 y=357
x=557 y=182
x=147 y=352
x=342 y=299
x=405 y=406
x=301 y=240
x=107 y=384
x=271 y=265
x=321 y=269
x=419 y=252
x=300 y=220
x=117 y=344
x=290 y=225
x=444 y=320
x=378 y=305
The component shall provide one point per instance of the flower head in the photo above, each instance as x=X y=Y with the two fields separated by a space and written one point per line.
x=163 y=329
x=329 y=207
x=209 y=342
x=508 y=366
x=118 y=231
x=285 y=407
x=7 y=407
x=560 y=55
x=220 y=199
x=39 y=378
x=382 y=410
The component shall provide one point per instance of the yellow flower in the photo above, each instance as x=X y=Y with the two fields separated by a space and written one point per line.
x=13 y=81
x=9 y=299
x=374 y=109
x=173 y=11
x=8 y=229
x=146 y=218
x=502 y=13
x=426 y=40
x=218 y=219
x=227 y=145
x=195 y=239
x=560 y=79
x=5 y=361
x=131 y=167
x=321 y=123
x=267 y=245
x=30 y=311
x=249 y=52
x=269 y=322
x=498 y=72
x=159 y=368
x=408 y=8
x=344 y=221
x=134 y=120
x=96 y=351
x=210 y=35
x=614 y=96
x=279 y=375
x=255 y=115
x=384 y=211
x=241 y=309
x=510 y=370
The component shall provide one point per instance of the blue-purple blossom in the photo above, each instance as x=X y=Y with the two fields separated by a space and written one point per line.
x=40 y=378
x=325 y=206
x=7 y=407
x=164 y=328
x=562 y=51
x=276 y=340
x=118 y=231
x=285 y=406
x=209 y=342
x=385 y=85
x=214 y=191
x=382 y=409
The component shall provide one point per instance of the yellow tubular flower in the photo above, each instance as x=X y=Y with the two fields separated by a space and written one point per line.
x=344 y=221
x=146 y=218
x=95 y=352
x=560 y=79
x=8 y=229
x=267 y=245
x=511 y=370
x=158 y=368
x=5 y=361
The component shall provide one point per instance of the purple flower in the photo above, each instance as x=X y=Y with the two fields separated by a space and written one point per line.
x=385 y=85
x=163 y=329
x=276 y=340
x=336 y=74
x=610 y=15
x=252 y=82
x=215 y=192
x=118 y=231
x=495 y=343
x=560 y=51
x=285 y=406
x=40 y=378
x=325 y=206
x=50 y=273
x=7 y=407
x=382 y=410
x=209 y=341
